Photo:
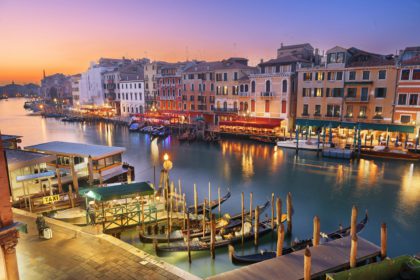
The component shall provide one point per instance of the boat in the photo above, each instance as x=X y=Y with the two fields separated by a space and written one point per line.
x=147 y=129
x=222 y=239
x=310 y=145
x=224 y=223
x=161 y=131
x=300 y=245
x=134 y=127
x=386 y=153
x=213 y=204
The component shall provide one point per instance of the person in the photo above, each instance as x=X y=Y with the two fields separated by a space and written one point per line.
x=40 y=224
x=92 y=216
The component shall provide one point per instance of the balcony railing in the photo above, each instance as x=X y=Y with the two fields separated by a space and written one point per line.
x=167 y=97
x=268 y=94
x=357 y=99
x=226 y=110
x=243 y=94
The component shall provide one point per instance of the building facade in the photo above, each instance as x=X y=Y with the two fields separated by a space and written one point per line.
x=131 y=93
x=407 y=102
x=75 y=90
x=57 y=86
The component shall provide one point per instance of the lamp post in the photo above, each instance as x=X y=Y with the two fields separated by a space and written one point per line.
x=167 y=166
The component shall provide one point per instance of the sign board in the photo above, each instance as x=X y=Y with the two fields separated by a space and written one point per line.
x=50 y=199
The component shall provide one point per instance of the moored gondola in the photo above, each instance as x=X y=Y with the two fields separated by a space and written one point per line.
x=213 y=204
x=224 y=223
x=223 y=239
x=266 y=255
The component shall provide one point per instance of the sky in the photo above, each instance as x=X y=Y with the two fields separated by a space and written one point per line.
x=65 y=36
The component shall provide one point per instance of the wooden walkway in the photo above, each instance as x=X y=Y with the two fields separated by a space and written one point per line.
x=331 y=256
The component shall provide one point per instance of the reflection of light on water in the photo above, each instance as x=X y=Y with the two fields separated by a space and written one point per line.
x=277 y=158
x=247 y=165
x=108 y=134
x=410 y=189
x=368 y=171
x=226 y=170
x=154 y=151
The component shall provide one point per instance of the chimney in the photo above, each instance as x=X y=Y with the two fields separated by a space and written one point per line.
x=262 y=60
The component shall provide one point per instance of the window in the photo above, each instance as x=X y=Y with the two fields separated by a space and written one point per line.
x=329 y=75
x=318 y=92
x=191 y=97
x=405 y=74
x=382 y=74
x=337 y=92
x=319 y=76
x=416 y=74
x=267 y=86
x=405 y=119
x=192 y=87
x=306 y=92
x=378 y=111
x=212 y=87
x=190 y=76
x=365 y=94
x=413 y=99
x=235 y=76
x=185 y=87
x=402 y=99
x=267 y=106
x=380 y=92
x=283 y=106
x=224 y=76
x=362 y=112
x=351 y=92
x=192 y=107
x=253 y=86
x=305 y=110
x=349 y=111
x=333 y=110
x=366 y=75
x=352 y=75
x=307 y=76
x=204 y=87
x=339 y=76
x=284 y=86
x=317 y=110
x=225 y=90
x=327 y=94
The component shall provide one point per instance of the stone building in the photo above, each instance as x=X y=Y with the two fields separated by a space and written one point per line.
x=57 y=86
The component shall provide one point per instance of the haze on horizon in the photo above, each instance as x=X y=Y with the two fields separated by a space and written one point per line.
x=65 y=36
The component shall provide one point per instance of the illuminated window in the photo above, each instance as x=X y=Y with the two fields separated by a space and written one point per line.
x=318 y=92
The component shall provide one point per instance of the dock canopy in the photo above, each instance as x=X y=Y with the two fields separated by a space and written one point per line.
x=120 y=191
x=19 y=158
x=76 y=149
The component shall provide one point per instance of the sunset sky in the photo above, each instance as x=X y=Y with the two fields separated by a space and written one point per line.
x=64 y=36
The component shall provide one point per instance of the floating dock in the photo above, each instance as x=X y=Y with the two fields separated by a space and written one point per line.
x=338 y=153
x=329 y=257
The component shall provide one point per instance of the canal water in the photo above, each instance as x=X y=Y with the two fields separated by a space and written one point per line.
x=390 y=190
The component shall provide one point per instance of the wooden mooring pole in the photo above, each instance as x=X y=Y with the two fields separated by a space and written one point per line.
x=188 y=237
x=272 y=210
x=289 y=213
x=250 y=206
x=256 y=225
x=243 y=216
x=307 y=264
x=195 y=200
x=280 y=240
x=204 y=217
x=353 y=251
x=384 y=234
x=218 y=197
x=212 y=236
x=209 y=199
x=278 y=211
x=315 y=239
x=353 y=222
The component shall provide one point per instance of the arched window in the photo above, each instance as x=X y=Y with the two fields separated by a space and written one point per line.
x=225 y=105
x=242 y=88
x=253 y=86
x=246 y=106
x=137 y=110
x=241 y=106
x=267 y=86
x=246 y=87
x=284 y=87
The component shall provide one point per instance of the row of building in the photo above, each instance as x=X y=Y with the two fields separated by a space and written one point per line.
x=300 y=86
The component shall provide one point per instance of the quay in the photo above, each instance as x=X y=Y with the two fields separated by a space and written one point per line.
x=79 y=253
x=328 y=257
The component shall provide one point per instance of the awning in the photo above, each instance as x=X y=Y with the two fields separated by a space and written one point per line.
x=118 y=191
x=258 y=123
x=361 y=125
x=35 y=176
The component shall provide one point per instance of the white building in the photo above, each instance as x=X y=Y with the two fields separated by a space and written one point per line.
x=131 y=94
x=91 y=85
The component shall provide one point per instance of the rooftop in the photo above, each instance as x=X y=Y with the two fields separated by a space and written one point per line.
x=284 y=60
x=230 y=63
x=19 y=158
x=282 y=47
x=360 y=58
x=6 y=137
x=76 y=149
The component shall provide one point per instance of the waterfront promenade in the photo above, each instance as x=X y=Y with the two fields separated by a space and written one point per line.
x=75 y=253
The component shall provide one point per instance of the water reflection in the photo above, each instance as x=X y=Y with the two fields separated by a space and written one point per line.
x=410 y=189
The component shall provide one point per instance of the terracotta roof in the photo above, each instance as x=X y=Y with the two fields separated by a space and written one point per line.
x=295 y=46
x=216 y=65
x=410 y=56
x=284 y=60
x=360 y=58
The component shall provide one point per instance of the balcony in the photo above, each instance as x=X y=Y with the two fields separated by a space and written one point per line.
x=246 y=94
x=167 y=97
x=363 y=99
x=226 y=110
x=266 y=94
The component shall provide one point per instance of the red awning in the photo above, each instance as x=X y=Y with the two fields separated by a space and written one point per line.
x=256 y=123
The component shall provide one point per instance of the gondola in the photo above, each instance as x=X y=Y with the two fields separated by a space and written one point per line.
x=266 y=255
x=213 y=204
x=223 y=239
x=180 y=235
